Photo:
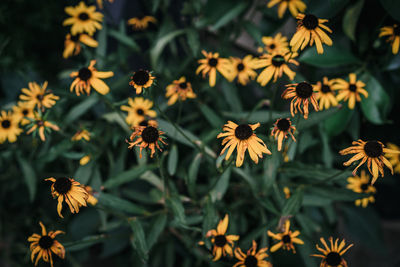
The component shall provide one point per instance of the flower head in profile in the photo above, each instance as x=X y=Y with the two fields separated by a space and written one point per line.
x=393 y=36
x=24 y=112
x=179 y=89
x=146 y=136
x=310 y=30
x=286 y=239
x=370 y=152
x=70 y=191
x=141 y=23
x=92 y=200
x=361 y=185
x=394 y=158
x=44 y=245
x=222 y=242
x=286 y=191
x=350 y=91
x=88 y=77
x=252 y=258
x=85 y=160
x=40 y=125
x=9 y=128
x=72 y=44
x=141 y=79
x=332 y=256
x=213 y=63
x=325 y=93
x=275 y=44
x=139 y=109
x=295 y=6
x=301 y=94
x=243 y=69
x=83 y=19
x=100 y=3
x=81 y=134
x=38 y=96
x=283 y=127
x=243 y=138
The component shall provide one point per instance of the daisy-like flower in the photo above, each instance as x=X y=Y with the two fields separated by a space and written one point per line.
x=83 y=19
x=394 y=159
x=84 y=160
x=9 y=129
x=242 y=138
x=310 y=30
x=23 y=111
x=283 y=127
x=301 y=94
x=38 y=96
x=100 y=3
x=325 y=93
x=332 y=256
x=148 y=136
x=40 y=125
x=350 y=91
x=87 y=77
x=360 y=184
x=243 y=69
x=139 y=109
x=252 y=258
x=45 y=245
x=141 y=79
x=70 y=191
x=286 y=239
x=371 y=152
x=92 y=200
x=81 y=134
x=295 y=6
x=393 y=33
x=141 y=23
x=213 y=63
x=222 y=243
x=275 y=65
x=72 y=44
x=278 y=43
x=179 y=89
x=286 y=191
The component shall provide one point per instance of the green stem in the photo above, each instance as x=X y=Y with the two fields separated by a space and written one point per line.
x=163 y=177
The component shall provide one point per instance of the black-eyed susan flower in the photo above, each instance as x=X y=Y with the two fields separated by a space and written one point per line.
x=332 y=256
x=213 y=63
x=141 y=79
x=278 y=43
x=92 y=200
x=141 y=23
x=295 y=6
x=23 y=111
x=83 y=19
x=310 y=31
x=243 y=69
x=40 y=125
x=70 y=191
x=222 y=243
x=45 y=245
x=286 y=239
x=179 y=89
x=9 y=129
x=139 y=109
x=361 y=184
x=394 y=158
x=275 y=65
x=89 y=77
x=84 y=160
x=350 y=91
x=242 y=137
x=252 y=258
x=283 y=127
x=38 y=96
x=393 y=33
x=146 y=136
x=81 y=134
x=325 y=93
x=100 y=3
x=72 y=44
x=286 y=191
x=370 y=152
x=302 y=94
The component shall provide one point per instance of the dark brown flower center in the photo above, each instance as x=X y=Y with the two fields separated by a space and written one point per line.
x=6 y=124
x=310 y=22
x=213 y=62
x=251 y=261
x=25 y=112
x=278 y=60
x=140 y=111
x=364 y=187
x=40 y=97
x=40 y=123
x=144 y=123
x=333 y=259
x=325 y=88
x=84 y=74
x=141 y=77
x=352 y=87
x=150 y=135
x=75 y=38
x=62 y=185
x=243 y=131
x=373 y=149
x=304 y=90
x=220 y=240
x=183 y=85
x=286 y=239
x=240 y=67
x=283 y=124
x=272 y=46
x=83 y=16
x=396 y=30
x=45 y=242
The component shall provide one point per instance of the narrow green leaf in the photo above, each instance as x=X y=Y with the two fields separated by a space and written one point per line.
x=83 y=173
x=124 y=39
x=337 y=123
x=229 y=15
x=173 y=133
x=192 y=174
x=211 y=116
x=113 y=202
x=253 y=31
x=85 y=242
x=350 y=19
x=332 y=57
x=157 y=227
x=231 y=95
x=315 y=118
x=29 y=176
x=138 y=240
x=262 y=116
x=312 y=171
x=157 y=49
x=128 y=176
x=392 y=7
x=293 y=204
x=80 y=109
x=175 y=204
x=193 y=41
x=114 y=117
x=210 y=216
x=173 y=160
x=218 y=192
x=101 y=49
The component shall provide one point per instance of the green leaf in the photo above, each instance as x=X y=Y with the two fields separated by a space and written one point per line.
x=173 y=160
x=138 y=240
x=115 y=117
x=332 y=57
x=253 y=31
x=157 y=227
x=229 y=15
x=257 y=116
x=128 y=176
x=231 y=95
x=124 y=39
x=193 y=41
x=210 y=216
x=315 y=118
x=211 y=116
x=337 y=123
x=80 y=109
x=218 y=192
x=85 y=242
x=350 y=19
x=192 y=174
x=83 y=173
x=175 y=204
x=173 y=133
x=113 y=202
x=157 y=49
x=293 y=204
x=29 y=176
x=392 y=7
x=313 y=172
x=334 y=193
x=101 y=49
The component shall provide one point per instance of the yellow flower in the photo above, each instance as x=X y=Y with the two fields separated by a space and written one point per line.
x=295 y=6
x=148 y=136
x=242 y=138
x=394 y=158
x=309 y=30
x=45 y=245
x=84 y=160
x=81 y=134
x=70 y=191
x=360 y=184
x=41 y=126
x=275 y=44
x=332 y=256
x=23 y=111
x=286 y=239
x=222 y=243
x=83 y=19
x=38 y=96
x=325 y=93
x=141 y=79
x=179 y=89
x=87 y=77
x=100 y=3
x=252 y=258
x=91 y=199
x=301 y=94
x=243 y=69
x=286 y=191
x=350 y=91
x=9 y=129
x=138 y=110
x=283 y=127
x=141 y=23
x=72 y=44
x=213 y=63
x=393 y=33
